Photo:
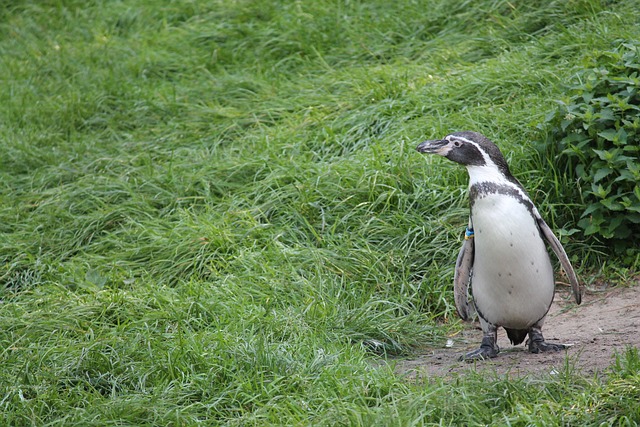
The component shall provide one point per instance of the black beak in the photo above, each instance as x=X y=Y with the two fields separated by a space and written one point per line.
x=431 y=146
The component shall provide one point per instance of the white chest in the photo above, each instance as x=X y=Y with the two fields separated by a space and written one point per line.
x=512 y=279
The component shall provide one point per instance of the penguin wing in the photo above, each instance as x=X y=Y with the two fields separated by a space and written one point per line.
x=562 y=256
x=461 y=279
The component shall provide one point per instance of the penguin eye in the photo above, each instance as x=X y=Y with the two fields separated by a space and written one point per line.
x=457 y=143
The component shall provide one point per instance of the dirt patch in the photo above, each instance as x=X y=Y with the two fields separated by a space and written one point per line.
x=606 y=323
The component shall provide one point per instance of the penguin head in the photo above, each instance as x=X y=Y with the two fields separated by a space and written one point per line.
x=470 y=149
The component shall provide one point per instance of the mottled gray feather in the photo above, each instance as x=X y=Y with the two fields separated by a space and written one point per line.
x=562 y=256
x=461 y=280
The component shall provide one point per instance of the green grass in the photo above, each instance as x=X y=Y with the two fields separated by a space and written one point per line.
x=213 y=213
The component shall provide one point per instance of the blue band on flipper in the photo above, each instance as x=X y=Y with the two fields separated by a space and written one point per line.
x=468 y=233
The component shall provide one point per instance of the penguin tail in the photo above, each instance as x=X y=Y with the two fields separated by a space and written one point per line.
x=516 y=336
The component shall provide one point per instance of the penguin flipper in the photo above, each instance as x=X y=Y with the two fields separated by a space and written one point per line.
x=461 y=279
x=562 y=256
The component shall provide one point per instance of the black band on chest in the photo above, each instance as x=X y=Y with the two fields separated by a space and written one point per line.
x=483 y=189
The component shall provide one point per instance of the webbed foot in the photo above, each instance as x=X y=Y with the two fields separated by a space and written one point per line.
x=483 y=353
x=543 y=347
x=537 y=344
x=488 y=349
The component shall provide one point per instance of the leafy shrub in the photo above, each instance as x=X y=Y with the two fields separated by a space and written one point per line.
x=594 y=137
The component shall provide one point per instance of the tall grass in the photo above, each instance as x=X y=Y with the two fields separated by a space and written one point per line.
x=212 y=212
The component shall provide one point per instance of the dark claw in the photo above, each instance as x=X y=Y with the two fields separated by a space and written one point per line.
x=488 y=349
x=537 y=344
x=543 y=347
x=483 y=353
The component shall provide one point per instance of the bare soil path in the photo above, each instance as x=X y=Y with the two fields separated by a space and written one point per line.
x=606 y=323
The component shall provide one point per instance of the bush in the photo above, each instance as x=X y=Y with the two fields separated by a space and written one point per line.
x=594 y=137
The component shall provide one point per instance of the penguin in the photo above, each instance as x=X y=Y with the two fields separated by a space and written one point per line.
x=504 y=257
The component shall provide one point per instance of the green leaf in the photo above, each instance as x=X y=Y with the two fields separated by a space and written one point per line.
x=590 y=209
x=602 y=154
x=621 y=137
x=589 y=226
x=601 y=173
x=622 y=232
x=606 y=115
x=631 y=205
x=564 y=124
x=550 y=117
x=600 y=191
x=625 y=175
x=587 y=96
x=608 y=134
x=615 y=222
x=612 y=204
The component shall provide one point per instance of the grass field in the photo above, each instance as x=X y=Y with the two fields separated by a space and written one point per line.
x=212 y=213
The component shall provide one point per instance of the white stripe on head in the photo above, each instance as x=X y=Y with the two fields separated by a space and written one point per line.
x=489 y=172
x=485 y=156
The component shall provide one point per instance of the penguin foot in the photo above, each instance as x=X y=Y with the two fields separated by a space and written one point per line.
x=543 y=347
x=483 y=353
x=488 y=349
x=537 y=344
